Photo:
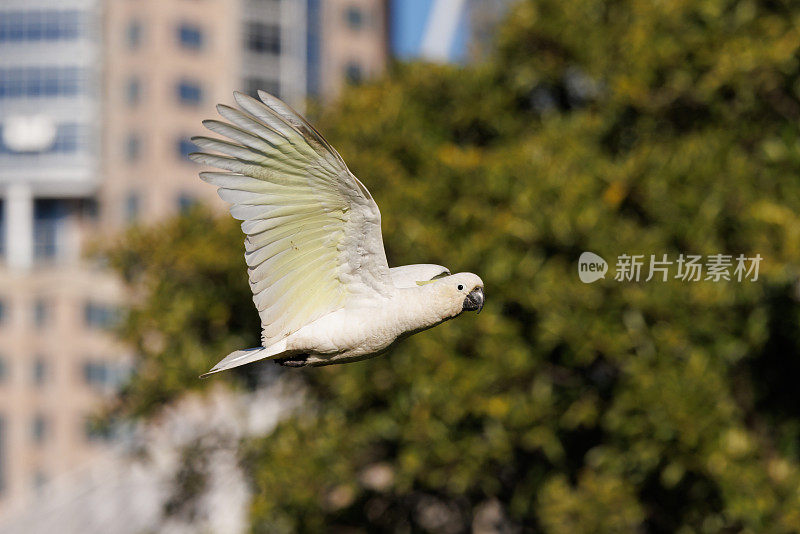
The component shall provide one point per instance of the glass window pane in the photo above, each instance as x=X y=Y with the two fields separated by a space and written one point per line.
x=355 y=17
x=70 y=24
x=353 y=72
x=52 y=25
x=132 y=147
x=16 y=27
x=190 y=36
x=185 y=147
x=253 y=85
x=98 y=315
x=49 y=226
x=41 y=313
x=134 y=34
x=34 y=25
x=189 y=92
x=133 y=91
x=263 y=38
x=39 y=428
x=132 y=207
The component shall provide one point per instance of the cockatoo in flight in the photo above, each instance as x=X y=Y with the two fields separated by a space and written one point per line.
x=314 y=250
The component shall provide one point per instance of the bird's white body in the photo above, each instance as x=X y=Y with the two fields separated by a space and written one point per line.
x=314 y=249
x=366 y=331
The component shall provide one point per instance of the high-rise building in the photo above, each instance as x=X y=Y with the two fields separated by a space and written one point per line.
x=348 y=43
x=98 y=100
x=167 y=65
x=57 y=357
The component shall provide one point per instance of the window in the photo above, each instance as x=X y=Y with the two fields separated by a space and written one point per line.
x=2 y=229
x=33 y=27
x=95 y=373
x=89 y=209
x=69 y=139
x=185 y=147
x=189 y=92
x=40 y=428
x=36 y=82
x=99 y=315
x=52 y=82
x=353 y=72
x=190 y=36
x=51 y=29
x=49 y=228
x=104 y=375
x=313 y=46
x=252 y=86
x=133 y=34
x=354 y=17
x=40 y=371
x=133 y=148
x=41 y=313
x=133 y=91
x=3 y=459
x=15 y=24
x=263 y=38
x=132 y=208
x=38 y=25
x=33 y=82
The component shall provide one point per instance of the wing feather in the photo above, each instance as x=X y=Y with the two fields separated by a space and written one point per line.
x=313 y=236
x=271 y=119
x=298 y=122
x=410 y=275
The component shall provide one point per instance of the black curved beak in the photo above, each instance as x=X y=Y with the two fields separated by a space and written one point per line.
x=474 y=300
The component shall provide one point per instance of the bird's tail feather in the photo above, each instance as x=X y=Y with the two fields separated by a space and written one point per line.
x=241 y=357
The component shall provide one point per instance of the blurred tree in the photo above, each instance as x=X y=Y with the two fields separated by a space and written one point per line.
x=623 y=127
x=191 y=303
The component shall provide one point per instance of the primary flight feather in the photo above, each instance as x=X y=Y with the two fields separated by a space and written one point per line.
x=313 y=246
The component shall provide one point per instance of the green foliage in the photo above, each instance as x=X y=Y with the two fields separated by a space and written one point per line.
x=192 y=302
x=616 y=127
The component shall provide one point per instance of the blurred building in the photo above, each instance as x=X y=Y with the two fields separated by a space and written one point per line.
x=98 y=99
x=136 y=493
x=170 y=63
x=347 y=43
x=57 y=359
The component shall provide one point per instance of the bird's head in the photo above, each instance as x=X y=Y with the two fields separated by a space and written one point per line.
x=461 y=291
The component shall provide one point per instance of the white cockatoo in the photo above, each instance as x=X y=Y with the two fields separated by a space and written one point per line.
x=314 y=251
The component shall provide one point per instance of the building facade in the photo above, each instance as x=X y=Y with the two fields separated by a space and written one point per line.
x=167 y=64
x=348 y=44
x=57 y=357
x=98 y=100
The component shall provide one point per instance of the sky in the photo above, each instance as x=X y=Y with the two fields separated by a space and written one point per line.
x=429 y=29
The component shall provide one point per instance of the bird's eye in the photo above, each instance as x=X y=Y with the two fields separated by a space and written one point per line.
x=460 y=287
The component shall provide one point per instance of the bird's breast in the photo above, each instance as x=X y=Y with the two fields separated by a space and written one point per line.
x=355 y=333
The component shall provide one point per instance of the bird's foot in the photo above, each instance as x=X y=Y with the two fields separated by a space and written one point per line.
x=298 y=360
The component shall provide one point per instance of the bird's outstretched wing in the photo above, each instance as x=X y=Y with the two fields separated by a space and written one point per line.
x=313 y=231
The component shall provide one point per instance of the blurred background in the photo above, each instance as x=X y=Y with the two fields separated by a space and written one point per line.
x=498 y=137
